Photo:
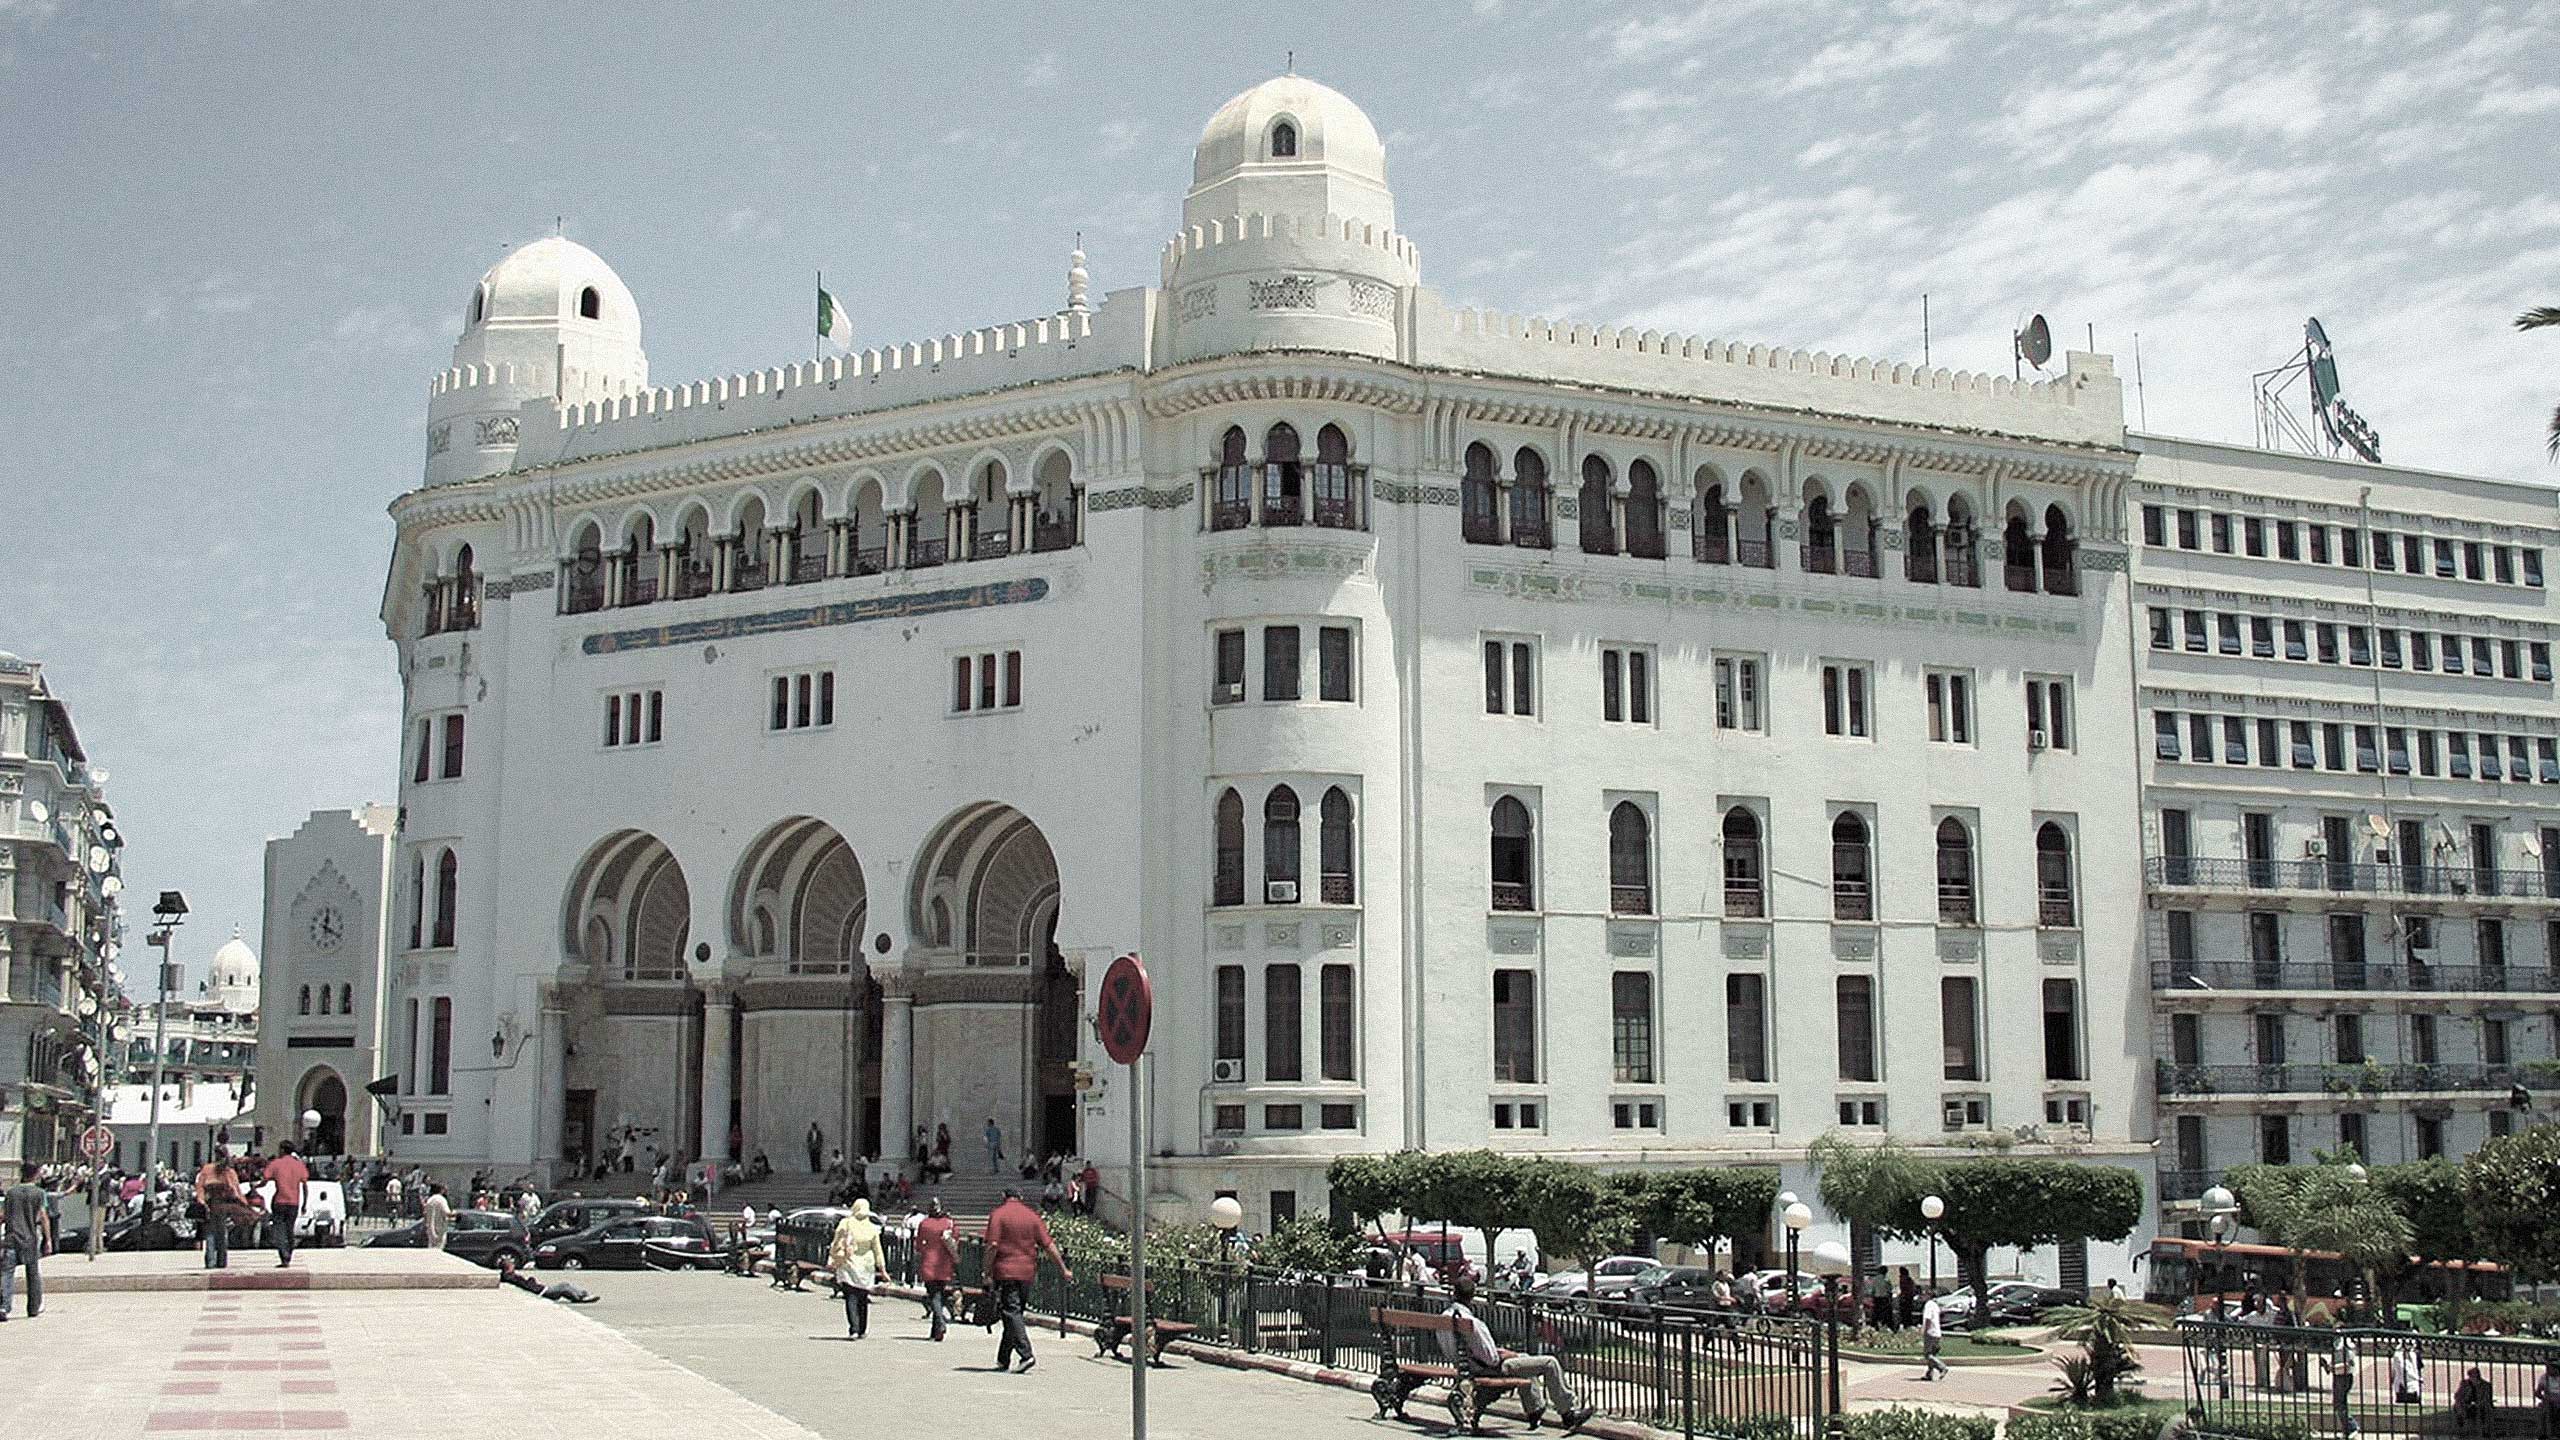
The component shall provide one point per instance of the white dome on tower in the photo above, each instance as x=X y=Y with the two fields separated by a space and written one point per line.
x=1290 y=145
x=551 y=321
x=555 y=282
x=233 y=983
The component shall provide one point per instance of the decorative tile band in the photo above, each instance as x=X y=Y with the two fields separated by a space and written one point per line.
x=813 y=617
x=1570 y=588
x=524 y=584
x=1395 y=493
x=1136 y=497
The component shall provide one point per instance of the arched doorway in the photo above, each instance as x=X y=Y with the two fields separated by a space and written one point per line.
x=630 y=1076
x=323 y=1091
x=997 y=1003
x=807 y=1015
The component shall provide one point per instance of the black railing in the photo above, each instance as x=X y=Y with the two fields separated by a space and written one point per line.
x=925 y=554
x=1047 y=535
x=1851 y=900
x=750 y=575
x=2055 y=910
x=1755 y=554
x=2369 y=1077
x=640 y=590
x=1230 y=514
x=1742 y=899
x=808 y=565
x=1964 y=568
x=1336 y=512
x=1861 y=563
x=2204 y=976
x=1955 y=906
x=1334 y=889
x=2021 y=578
x=871 y=561
x=1714 y=548
x=1511 y=895
x=1645 y=547
x=2250 y=1379
x=991 y=545
x=1820 y=559
x=692 y=581
x=585 y=596
x=1531 y=533
x=1690 y=1372
x=2340 y=876
x=1920 y=563
x=1283 y=510
x=2061 y=580
x=1479 y=529
x=1630 y=899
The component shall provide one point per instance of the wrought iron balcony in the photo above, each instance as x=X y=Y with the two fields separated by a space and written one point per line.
x=585 y=596
x=1715 y=548
x=1283 y=510
x=1336 y=512
x=1230 y=514
x=2062 y=580
x=2021 y=578
x=1851 y=900
x=1511 y=895
x=750 y=575
x=1955 y=906
x=1964 y=568
x=1335 y=889
x=1530 y=532
x=1630 y=899
x=2369 y=1077
x=1920 y=563
x=1820 y=559
x=2350 y=877
x=1861 y=563
x=808 y=565
x=1743 y=900
x=640 y=590
x=1479 y=528
x=1047 y=535
x=991 y=545
x=871 y=561
x=2199 y=977
x=692 y=581
x=925 y=554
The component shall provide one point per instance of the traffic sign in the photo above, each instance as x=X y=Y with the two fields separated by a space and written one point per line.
x=97 y=1142
x=1126 y=1009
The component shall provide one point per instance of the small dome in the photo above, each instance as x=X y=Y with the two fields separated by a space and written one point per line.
x=234 y=979
x=1324 y=129
x=554 y=281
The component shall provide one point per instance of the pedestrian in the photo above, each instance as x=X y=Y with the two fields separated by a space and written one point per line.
x=566 y=1294
x=26 y=1232
x=2407 y=1379
x=937 y=1252
x=1933 y=1337
x=817 y=1146
x=1414 y=1270
x=1544 y=1372
x=2475 y=1404
x=1016 y=1239
x=856 y=1258
x=438 y=1212
x=2546 y=1391
x=289 y=1175
x=1091 y=1184
x=391 y=1198
x=995 y=1147
x=1906 y=1301
x=218 y=1191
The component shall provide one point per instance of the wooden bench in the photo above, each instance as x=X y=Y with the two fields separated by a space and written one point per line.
x=1108 y=1335
x=1417 y=1348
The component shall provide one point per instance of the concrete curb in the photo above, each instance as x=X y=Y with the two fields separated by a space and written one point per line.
x=73 y=1282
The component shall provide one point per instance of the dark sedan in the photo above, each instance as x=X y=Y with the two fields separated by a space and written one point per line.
x=483 y=1237
x=2019 y=1303
x=632 y=1243
x=1676 y=1287
x=568 y=1217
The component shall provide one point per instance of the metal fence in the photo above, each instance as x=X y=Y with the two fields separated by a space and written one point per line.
x=2262 y=1381
x=1694 y=1372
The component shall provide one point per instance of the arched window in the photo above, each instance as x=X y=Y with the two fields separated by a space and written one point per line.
x=1529 y=500
x=1478 y=496
x=1858 y=534
x=1743 y=886
x=1284 y=141
x=417 y=900
x=1335 y=503
x=346 y=999
x=479 y=306
x=1055 y=513
x=1334 y=849
x=1852 y=870
x=1630 y=861
x=1963 y=566
x=1821 y=537
x=590 y=304
x=1231 y=505
x=1227 y=879
x=448 y=887
x=2055 y=903
x=808 y=539
x=1283 y=493
x=1599 y=527
x=1644 y=512
x=2018 y=553
x=585 y=580
x=324 y=999
x=2061 y=554
x=1955 y=874
x=1512 y=856
x=464 y=611
x=1710 y=532
x=1280 y=847
x=305 y=1007
x=1920 y=545
x=640 y=563
x=1755 y=522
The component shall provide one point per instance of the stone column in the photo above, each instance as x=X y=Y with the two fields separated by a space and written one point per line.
x=554 y=1103
x=1502 y=512
x=716 y=1005
x=897 y=1074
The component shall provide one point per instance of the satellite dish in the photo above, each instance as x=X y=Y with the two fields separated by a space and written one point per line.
x=2375 y=824
x=37 y=811
x=99 y=860
x=2533 y=847
x=112 y=885
x=2324 y=366
x=2034 y=344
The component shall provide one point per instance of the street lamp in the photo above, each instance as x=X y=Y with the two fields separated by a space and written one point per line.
x=310 y=1129
x=1797 y=1216
x=171 y=912
x=1225 y=1214
x=1933 y=1209
x=2220 y=1207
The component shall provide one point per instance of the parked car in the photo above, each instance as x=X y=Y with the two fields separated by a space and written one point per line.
x=1445 y=1251
x=483 y=1237
x=1607 y=1280
x=568 y=1217
x=2017 y=1302
x=801 y=1237
x=632 y=1242
x=1675 y=1287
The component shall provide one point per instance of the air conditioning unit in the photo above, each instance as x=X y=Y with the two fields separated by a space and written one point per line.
x=2314 y=849
x=1231 y=692
x=2035 y=739
x=1280 y=892
x=1226 y=1072
x=1951 y=1114
x=1219 y=1147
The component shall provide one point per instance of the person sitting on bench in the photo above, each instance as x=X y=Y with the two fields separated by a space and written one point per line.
x=1478 y=1352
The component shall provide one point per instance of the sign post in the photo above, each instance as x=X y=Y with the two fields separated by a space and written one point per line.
x=97 y=1143
x=1125 y=1013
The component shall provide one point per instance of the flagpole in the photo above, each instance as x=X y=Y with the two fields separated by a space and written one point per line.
x=818 y=343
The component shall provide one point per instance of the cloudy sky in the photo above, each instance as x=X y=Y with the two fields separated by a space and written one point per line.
x=236 y=239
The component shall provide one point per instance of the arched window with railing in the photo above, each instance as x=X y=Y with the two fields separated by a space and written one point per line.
x=1858 y=534
x=2057 y=903
x=1961 y=542
x=1755 y=524
x=1337 y=503
x=1644 y=512
x=1710 y=530
x=1630 y=860
x=2018 y=552
x=1334 y=849
x=991 y=513
x=1853 y=895
x=1057 y=503
x=1284 y=498
x=1745 y=878
x=1280 y=846
x=1529 y=507
x=807 y=544
x=1514 y=856
x=463 y=613
x=748 y=569
x=1821 y=537
x=1955 y=874
x=1226 y=882
x=640 y=563
x=582 y=575
x=1231 y=503
x=2061 y=554
x=1599 y=526
x=1479 y=496
x=1920 y=543
x=448 y=898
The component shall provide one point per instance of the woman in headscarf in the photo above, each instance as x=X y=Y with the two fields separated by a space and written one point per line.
x=857 y=1260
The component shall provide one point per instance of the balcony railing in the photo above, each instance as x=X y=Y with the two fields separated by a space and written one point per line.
x=1861 y=563
x=585 y=596
x=2347 y=877
x=641 y=590
x=925 y=554
x=2021 y=578
x=2204 y=976
x=2061 y=580
x=1645 y=547
x=2055 y=910
x=1336 y=512
x=1531 y=533
x=1334 y=890
x=750 y=575
x=1630 y=899
x=1283 y=510
x=2369 y=1077
x=1955 y=907
x=991 y=545
x=871 y=561
x=693 y=581
x=1479 y=529
x=1742 y=900
x=1851 y=900
x=1230 y=514
x=1510 y=895
x=1920 y=564
x=808 y=565
x=1711 y=549
x=1756 y=554
x=1964 y=568
x=1820 y=559
x=1048 y=535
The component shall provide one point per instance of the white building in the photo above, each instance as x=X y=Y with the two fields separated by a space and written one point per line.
x=207 y=1084
x=327 y=936
x=1493 y=731
x=2350 y=756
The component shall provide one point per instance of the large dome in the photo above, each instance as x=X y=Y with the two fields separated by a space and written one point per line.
x=1326 y=127
x=233 y=982
x=554 y=281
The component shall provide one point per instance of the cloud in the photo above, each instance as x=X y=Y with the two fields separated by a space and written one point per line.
x=2538 y=100
x=380 y=327
x=1042 y=71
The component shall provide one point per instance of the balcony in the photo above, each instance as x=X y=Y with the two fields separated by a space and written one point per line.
x=1714 y=549
x=1529 y=532
x=2370 y=1077
x=1955 y=906
x=1630 y=899
x=2341 y=877
x=640 y=590
x=1820 y=559
x=1336 y=512
x=2055 y=910
x=991 y=545
x=1333 y=889
x=1511 y=895
x=2062 y=580
x=2020 y=578
x=1230 y=514
x=1861 y=563
x=585 y=596
x=1048 y=535
x=1920 y=564
x=1643 y=546
x=925 y=554
x=1479 y=529
x=1283 y=510
x=2202 y=977
x=692 y=581
x=1964 y=568
x=807 y=566
x=1742 y=900
x=750 y=575
x=1755 y=554
x=1850 y=900
x=871 y=561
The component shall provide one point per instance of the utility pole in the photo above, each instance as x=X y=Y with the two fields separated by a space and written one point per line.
x=171 y=912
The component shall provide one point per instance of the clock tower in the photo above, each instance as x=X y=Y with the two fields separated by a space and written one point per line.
x=321 y=1028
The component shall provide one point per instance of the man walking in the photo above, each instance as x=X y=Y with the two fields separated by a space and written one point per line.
x=1016 y=1239
x=26 y=1232
x=290 y=1175
x=439 y=1215
x=1933 y=1335
x=817 y=1145
x=937 y=1252
x=1545 y=1372
x=995 y=1147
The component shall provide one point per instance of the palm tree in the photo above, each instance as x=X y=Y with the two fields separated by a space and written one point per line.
x=2535 y=319
x=2104 y=1329
x=2333 y=1208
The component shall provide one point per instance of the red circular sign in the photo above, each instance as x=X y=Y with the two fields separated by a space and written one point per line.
x=1126 y=1009
x=97 y=1142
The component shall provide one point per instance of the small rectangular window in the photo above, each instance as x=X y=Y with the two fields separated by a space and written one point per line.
x=2200 y=739
x=2297 y=645
x=2427 y=764
x=2270 y=751
x=2333 y=745
x=657 y=716
x=1012 y=679
x=2049 y=716
x=2457 y=755
x=1639 y=687
x=803 y=699
x=1279 y=662
x=963 y=686
x=2511 y=659
x=1495 y=674
x=2453 y=654
x=2395 y=741
x=2471 y=561
x=1949 y=696
x=2326 y=635
x=1609 y=706
x=2164 y=734
x=2385 y=551
x=2164 y=626
x=2368 y=759
x=2227 y=633
x=2194 y=628
x=2235 y=740
x=2350 y=548
x=1515 y=1027
x=2532 y=561
x=452 y=769
x=781 y=703
x=2288 y=543
x=1844 y=700
x=2359 y=645
x=1631 y=1027
x=2489 y=758
x=2390 y=648
x=2253 y=536
x=2303 y=759
x=1333 y=662
x=2541 y=650
x=2155 y=525
x=2422 y=650
x=426 y=752
x=1738 y=693
x=2319 y=537
x=1227 y=686
x=1857 y=1028
x=613 y=720
x=2262 y=637
x=2186 y=529
x=2483 y=660
x=2445 y=569
x=2413 y=556
x=2221 y=534
x=986 y=682
x=2505 y=564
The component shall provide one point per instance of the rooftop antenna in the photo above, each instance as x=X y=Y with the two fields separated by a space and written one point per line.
x=2141 y=403
x=1924 y=327
x=2332 y=427
x=2033 y=344
x=1293 y=62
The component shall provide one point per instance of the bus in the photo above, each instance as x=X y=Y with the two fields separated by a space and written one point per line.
x=2192 y=1274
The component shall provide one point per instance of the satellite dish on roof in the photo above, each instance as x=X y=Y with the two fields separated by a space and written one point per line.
x=2033 y=343
x=37 y=812
x=2324 y=364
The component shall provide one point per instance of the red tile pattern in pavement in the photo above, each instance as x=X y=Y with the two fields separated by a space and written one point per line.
x=250 y=1396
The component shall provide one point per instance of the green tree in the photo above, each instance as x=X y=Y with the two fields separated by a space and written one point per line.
x=2104 y=1328
x=2324 y=1207
x=2429 y=1194
x=1481 y=1190
x=2510 y=1192
x=2537 y=318
x=1309 y=1243
x=1576 y=1215
x=1875 y=1187
x=1369 y=1187
x=2027 y=1201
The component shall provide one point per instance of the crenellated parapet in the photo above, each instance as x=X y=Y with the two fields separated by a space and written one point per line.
x=1320 y=233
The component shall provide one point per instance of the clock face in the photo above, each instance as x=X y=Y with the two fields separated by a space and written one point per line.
x=328 y=927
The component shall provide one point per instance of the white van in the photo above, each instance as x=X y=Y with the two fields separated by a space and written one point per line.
x=323 y=1218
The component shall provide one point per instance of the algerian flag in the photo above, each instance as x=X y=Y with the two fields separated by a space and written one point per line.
x=833 y=323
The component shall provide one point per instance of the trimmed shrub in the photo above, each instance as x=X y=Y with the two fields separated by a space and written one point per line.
x=1904 y=1423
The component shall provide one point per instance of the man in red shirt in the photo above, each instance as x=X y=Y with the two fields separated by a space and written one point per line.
x=937 y=1259
x=289 y=1174
x=1016 y=1239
